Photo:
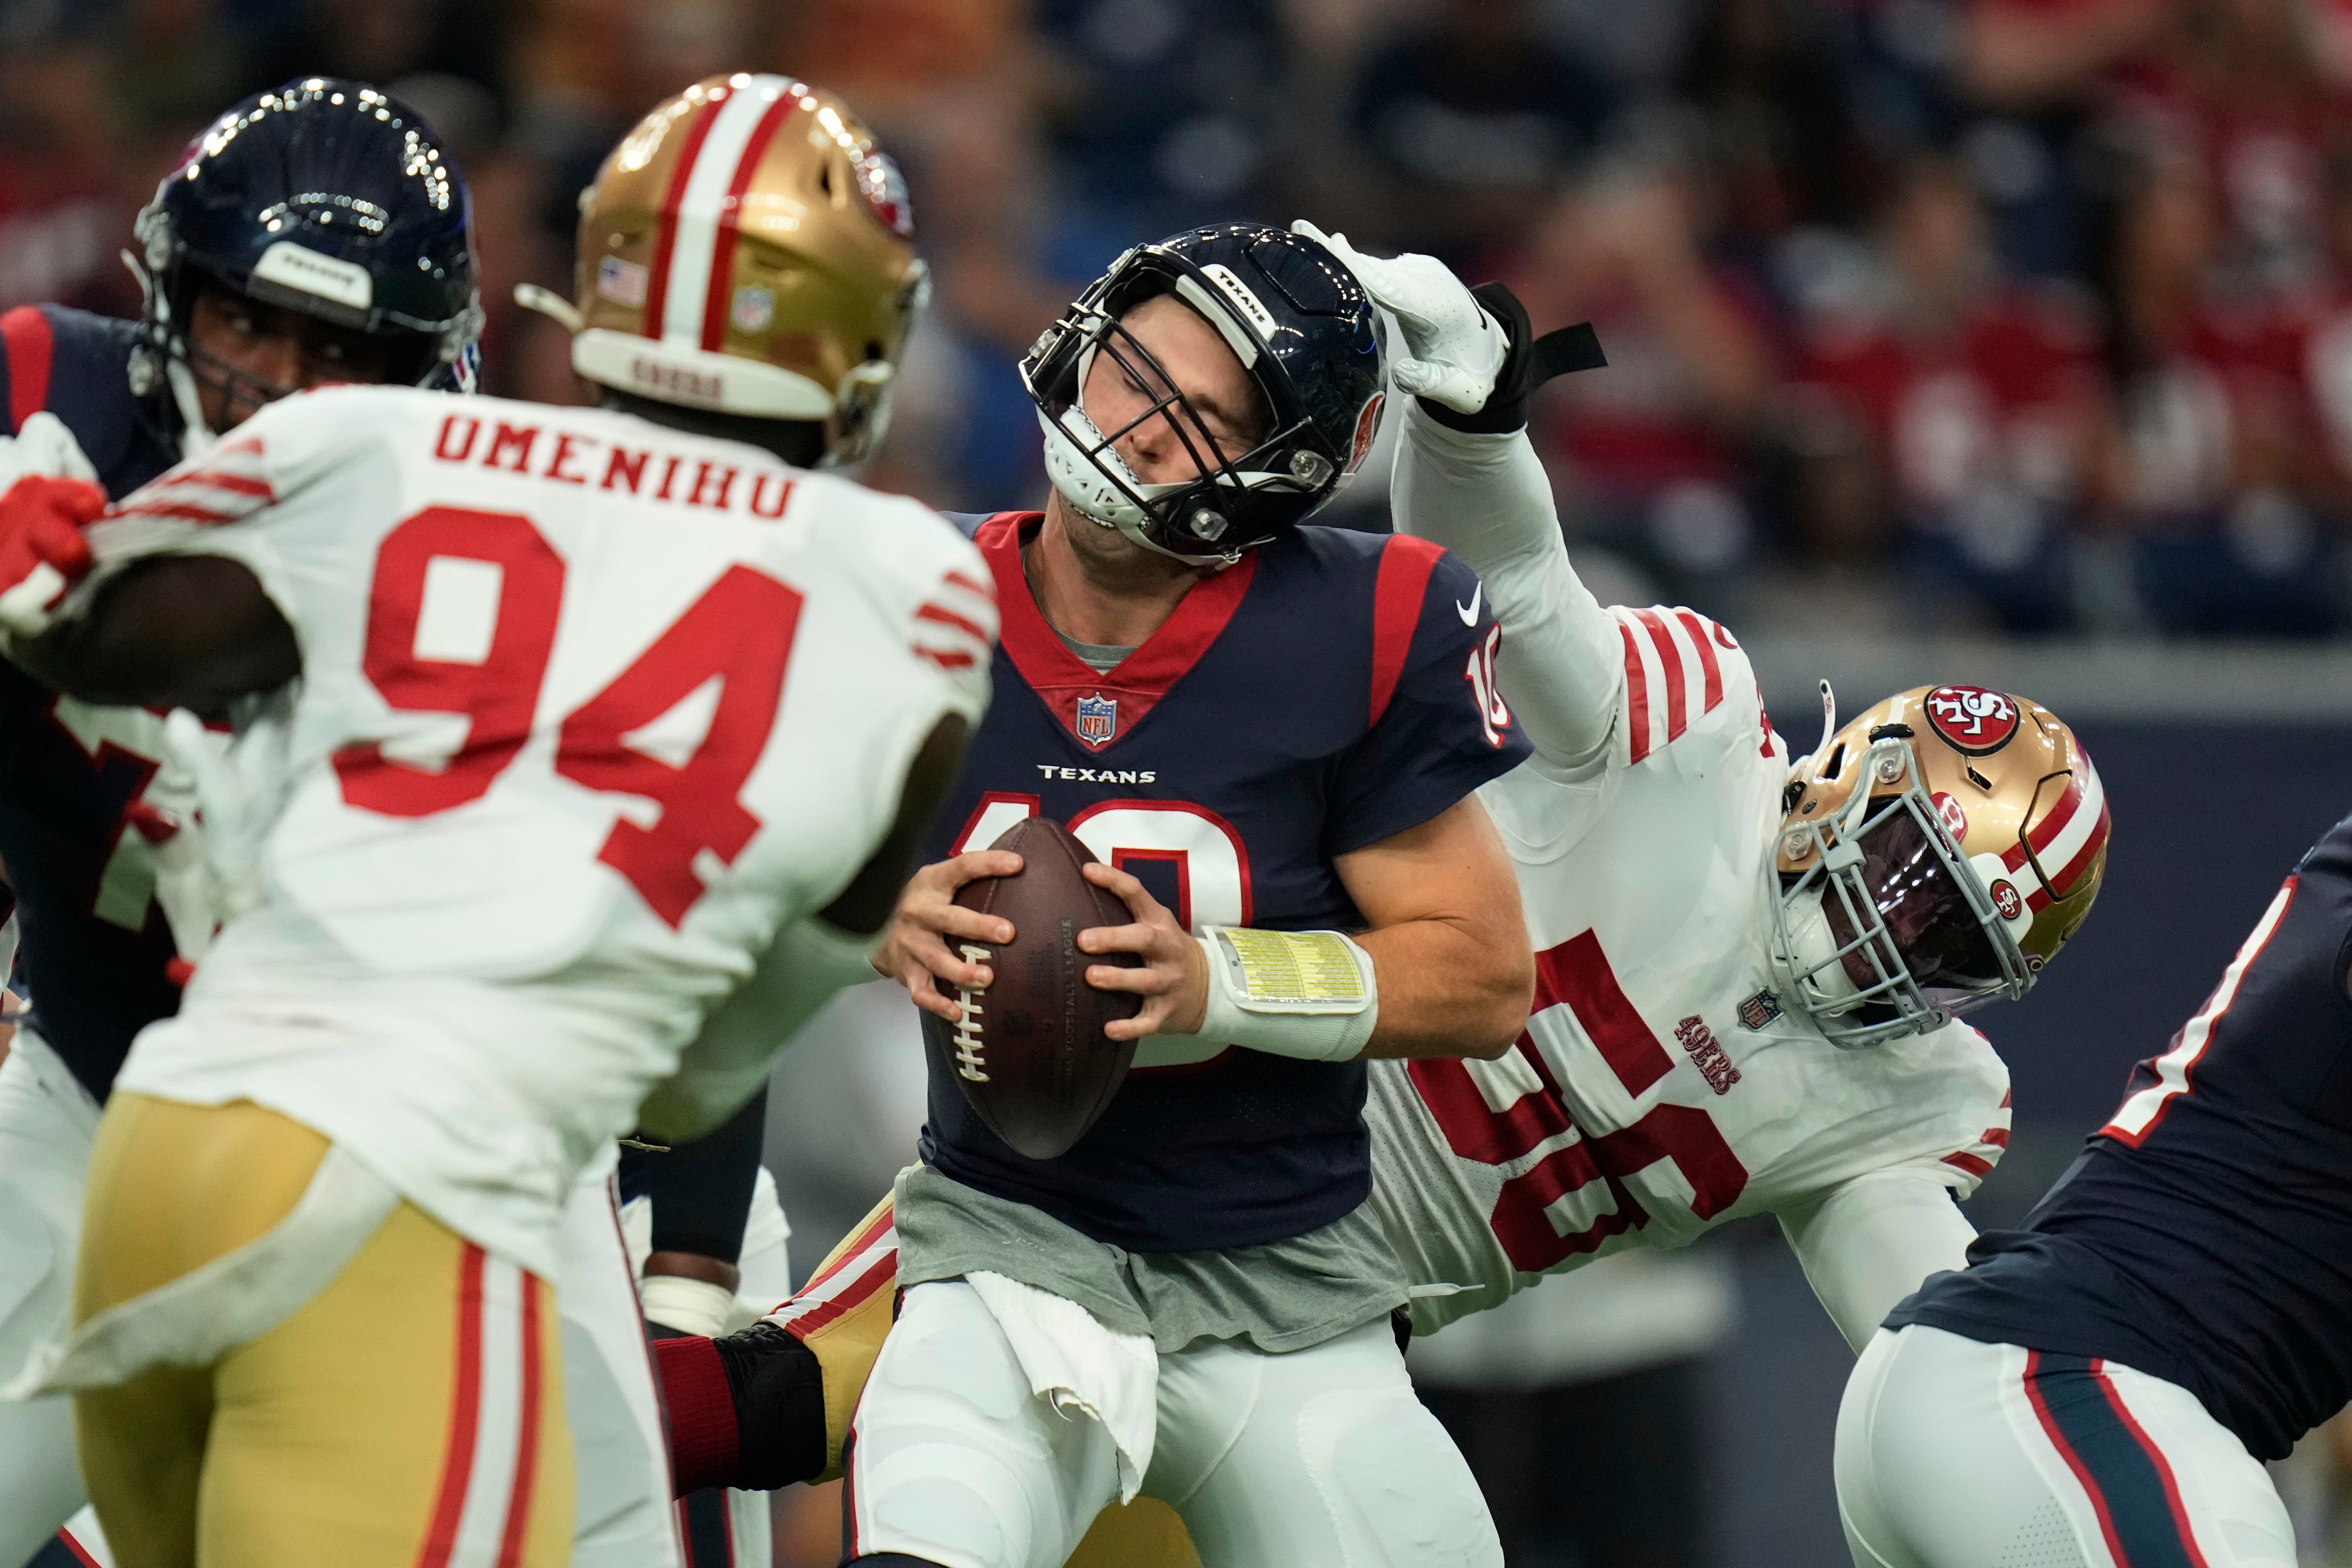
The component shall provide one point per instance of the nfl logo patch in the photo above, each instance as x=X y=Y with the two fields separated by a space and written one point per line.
x=1097 y=720
x=1758 y=1010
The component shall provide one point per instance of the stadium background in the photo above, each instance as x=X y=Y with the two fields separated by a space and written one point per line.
x=1997 y=341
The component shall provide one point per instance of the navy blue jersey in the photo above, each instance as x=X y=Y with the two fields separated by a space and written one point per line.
x=96 y=954
x=1329 y=691
x=2205 y=1234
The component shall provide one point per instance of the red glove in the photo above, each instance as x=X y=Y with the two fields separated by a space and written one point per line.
x=42 y=550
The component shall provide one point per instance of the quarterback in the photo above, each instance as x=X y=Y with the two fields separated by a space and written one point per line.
x=553 y=825
x=1269 y=734
x=1748 y=969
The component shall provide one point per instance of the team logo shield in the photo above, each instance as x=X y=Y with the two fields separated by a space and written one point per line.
x=1097 y=720
x=1975 y=721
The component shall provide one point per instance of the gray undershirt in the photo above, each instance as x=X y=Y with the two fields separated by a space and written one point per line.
x=1287 y=1295
x=1103 y=657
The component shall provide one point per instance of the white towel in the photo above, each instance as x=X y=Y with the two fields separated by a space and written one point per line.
x=1082 y=1367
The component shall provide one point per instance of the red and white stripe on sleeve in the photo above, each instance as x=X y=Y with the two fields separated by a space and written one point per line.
x=1979 y=1157
x=226 y=485
x=956 y=624
x=1673 y=674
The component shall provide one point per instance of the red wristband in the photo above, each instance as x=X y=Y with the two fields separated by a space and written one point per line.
x=700 y=1411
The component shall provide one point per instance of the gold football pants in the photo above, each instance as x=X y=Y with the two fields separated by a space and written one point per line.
x=410 y=1416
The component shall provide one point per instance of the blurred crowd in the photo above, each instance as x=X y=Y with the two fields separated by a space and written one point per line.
x=2031 y=315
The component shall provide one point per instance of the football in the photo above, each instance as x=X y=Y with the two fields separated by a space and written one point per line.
x=1031 y=1055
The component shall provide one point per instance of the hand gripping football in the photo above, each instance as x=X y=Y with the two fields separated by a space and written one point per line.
x=1031 y=1055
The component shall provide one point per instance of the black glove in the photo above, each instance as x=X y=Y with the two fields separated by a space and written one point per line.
x=1530 y=362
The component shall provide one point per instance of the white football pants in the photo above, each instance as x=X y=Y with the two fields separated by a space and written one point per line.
x=47 y=1122
x=1316 y=1458
x=1953 y=1454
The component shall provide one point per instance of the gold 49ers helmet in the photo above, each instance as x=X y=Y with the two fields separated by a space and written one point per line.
x=748 y=251
x=1936 y=853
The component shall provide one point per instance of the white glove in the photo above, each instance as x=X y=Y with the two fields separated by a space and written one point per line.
x=1453 y=349
x=224 y=799
x=43 y=445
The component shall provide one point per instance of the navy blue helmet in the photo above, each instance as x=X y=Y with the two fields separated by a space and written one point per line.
x=1306 y=332
x=327 y=197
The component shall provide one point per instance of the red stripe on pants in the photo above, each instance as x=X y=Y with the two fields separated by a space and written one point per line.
x=464 y=1415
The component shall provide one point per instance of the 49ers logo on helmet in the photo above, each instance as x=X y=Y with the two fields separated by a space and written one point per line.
x=2005 y=899
x=1974 y=720
x=1949 y=810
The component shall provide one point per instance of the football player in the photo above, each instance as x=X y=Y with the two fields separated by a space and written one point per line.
x=1268 y=733
x=483 y=926
x=2104 y=1385
x=1748 y=971
x=250 y=291
x=249 y=296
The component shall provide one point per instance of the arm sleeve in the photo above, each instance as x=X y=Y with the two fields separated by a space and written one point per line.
x=729 y=1061
x=1436 y=730
x=1487 y=498
x=1872 y=1241
x=701 y=1191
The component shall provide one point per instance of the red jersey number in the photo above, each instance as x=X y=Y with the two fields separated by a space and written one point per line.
x=1523 y=1220
x=740 y=633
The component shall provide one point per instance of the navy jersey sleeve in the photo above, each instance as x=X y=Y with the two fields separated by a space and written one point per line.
x=1439 y=729
x=76 y=365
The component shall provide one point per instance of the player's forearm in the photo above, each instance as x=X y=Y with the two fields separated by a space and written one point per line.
x=1447 y=988
x=1869 y=1243
x=1487 y=498
x=168 y=631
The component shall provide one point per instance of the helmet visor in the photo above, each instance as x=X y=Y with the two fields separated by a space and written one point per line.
x=1911 y=883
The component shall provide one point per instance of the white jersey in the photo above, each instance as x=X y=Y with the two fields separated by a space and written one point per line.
x=1661 y=1086
x=591 y=712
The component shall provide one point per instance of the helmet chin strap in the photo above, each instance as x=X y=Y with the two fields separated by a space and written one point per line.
x=1085 y=488
x=196 y=434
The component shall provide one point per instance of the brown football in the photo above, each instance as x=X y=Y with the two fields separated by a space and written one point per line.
x=1030 y=1054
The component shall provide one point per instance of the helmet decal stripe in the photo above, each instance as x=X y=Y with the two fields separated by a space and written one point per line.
x=700 y=202
x=25 y=333
x=1699 y=630
x=1670 y=664
x=665 y=240
x=2073 y=871
x=2068 y=839
x=1637 y=696
x=722 y=255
